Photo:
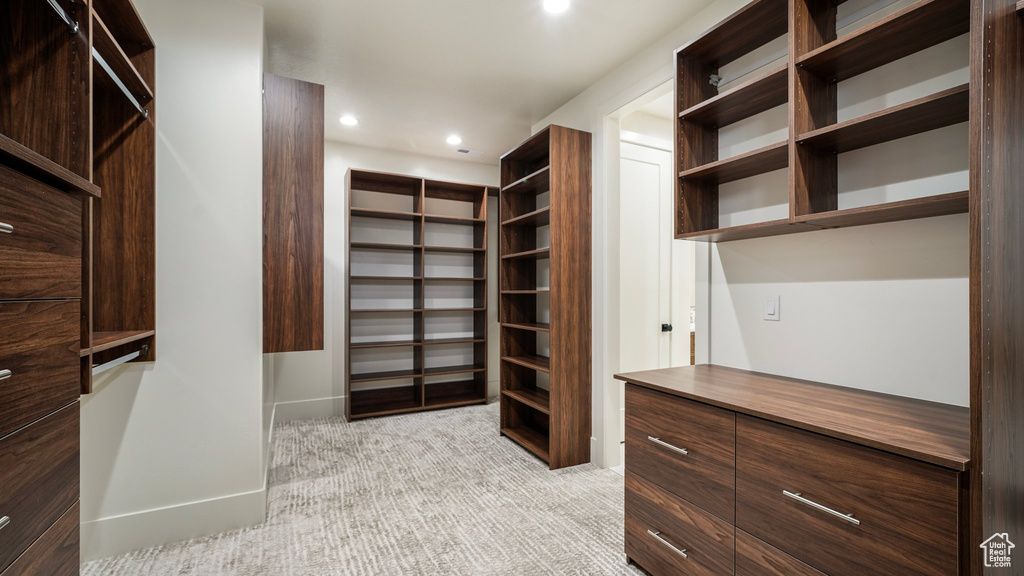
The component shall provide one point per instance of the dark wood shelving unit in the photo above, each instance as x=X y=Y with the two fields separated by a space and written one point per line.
x=386 y=201
x=546 y=332
x=817 y=60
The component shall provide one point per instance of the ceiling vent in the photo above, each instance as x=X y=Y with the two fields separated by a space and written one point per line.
x=474 y=153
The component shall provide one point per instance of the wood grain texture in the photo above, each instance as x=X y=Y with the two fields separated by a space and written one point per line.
x=124 y=219
x=916 y=27
x=39 y=344
x=907 y=509
x=42 y=256
x=125 y=25
x=706 y=475
x=926 y=207
x=293 y=215
x=39 y=472
x=708 y=541
x=750 y=27
x=104 y=42
x=44 y=81
x=997 y=275
x=746 y=231
x=926 y=431
x=921 y=115
x=754 y=96
x=760 y=161
x=37 y=166
x=755 y=558
x=55 y=553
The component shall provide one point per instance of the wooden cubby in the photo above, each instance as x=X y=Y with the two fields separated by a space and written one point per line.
x=417 y=289
x=545 y=296
x=817 y=60
x=67 y=122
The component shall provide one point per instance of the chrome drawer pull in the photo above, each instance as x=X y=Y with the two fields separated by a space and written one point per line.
x=6 y=228
x=657 y=536
x=796 y=496
x=4 y=522
x=5 y=374
x=659 y=442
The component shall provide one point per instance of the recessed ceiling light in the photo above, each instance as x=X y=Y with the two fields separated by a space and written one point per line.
x=349 y=120
x=454 y=140
x=556 y=6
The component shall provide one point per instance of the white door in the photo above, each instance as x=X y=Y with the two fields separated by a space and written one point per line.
x=655 y=274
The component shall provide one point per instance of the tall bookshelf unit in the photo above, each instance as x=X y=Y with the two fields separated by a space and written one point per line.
x=545 y=300
x=417 y=294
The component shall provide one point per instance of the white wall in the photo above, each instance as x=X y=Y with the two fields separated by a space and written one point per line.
x=892 y=299
x=312 y=384
x=172 y=449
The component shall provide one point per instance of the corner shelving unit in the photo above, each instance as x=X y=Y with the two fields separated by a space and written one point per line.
x=817 y=60
x=545 y=296
x=417 y=294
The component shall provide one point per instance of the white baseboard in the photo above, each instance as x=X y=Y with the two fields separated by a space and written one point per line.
x=306 y=409
x=120 y=534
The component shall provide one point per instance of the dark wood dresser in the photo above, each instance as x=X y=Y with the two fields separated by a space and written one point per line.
x=735 y=472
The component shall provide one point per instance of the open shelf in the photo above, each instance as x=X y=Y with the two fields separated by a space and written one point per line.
x=533 y=440
x=443 y=341
x=384 y=344
x=536 y=398
x=537 y=182
x=921 y=115
x=453 y=249
x=480 y=309
x=760 y=161
x=384 y=246
x=541 y=217
x=529 y=326
x=125 y=23
x=537 y=291
x=383 y=402
x=533 y=362
x=452 y=279
x=454 y=401
x=446 y=370
x=384 y=310
x=115 y=57
x=439 y=219
x=386 y=214
x=916 y=27
x=941 y=205
x=538 y=254
x=106 y=340
x=746 y=231
x=388 y=375
x=407 y=278
x=750 y=27
x=762 y=93
x=43 y=169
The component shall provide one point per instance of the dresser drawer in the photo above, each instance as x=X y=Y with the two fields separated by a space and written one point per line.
x=39 y=360
x=659 y=427
x=755 y=558
x=55 y=553
x=794 y=488
x=40 y=240
x=38 y=479
x=661 y=527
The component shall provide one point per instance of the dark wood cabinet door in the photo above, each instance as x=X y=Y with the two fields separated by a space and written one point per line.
x=755 y=558
x=293 y=215
x=55 y=553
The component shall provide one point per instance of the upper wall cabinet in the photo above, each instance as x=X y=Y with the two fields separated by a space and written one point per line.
x=293 y=215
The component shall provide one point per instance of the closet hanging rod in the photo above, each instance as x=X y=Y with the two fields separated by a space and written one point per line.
x=101 y=368
x=72 y=25
x=113 y=76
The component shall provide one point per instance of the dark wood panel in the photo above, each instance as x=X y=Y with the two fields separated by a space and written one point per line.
x=55 y=553
x=997 y=275
x=916 y=27
x=534 y=362
x=902 y=514
x=707 y=541
x=385 y=401
x=536 y=398
x=39 y=472
x=706 y=474
x=293 y=215
x=106 y=340
x=31 y=163
x=115 y=57
x=927 y=431
x=746 y=231
x=761 y=93
x=755 y=558
x=39 y=344
x=750 y=27
x=125 y=25
x=44 y=81
x=927 y=207
x=535 y=183
x=921 y=115
x=40 y=240
x=760 y=161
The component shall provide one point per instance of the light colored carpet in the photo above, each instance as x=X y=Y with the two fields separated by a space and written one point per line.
x=432 y=493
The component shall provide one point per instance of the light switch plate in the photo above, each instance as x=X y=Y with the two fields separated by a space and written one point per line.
x=771 y=308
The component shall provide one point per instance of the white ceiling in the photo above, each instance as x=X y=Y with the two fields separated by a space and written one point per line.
x=414 y=71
